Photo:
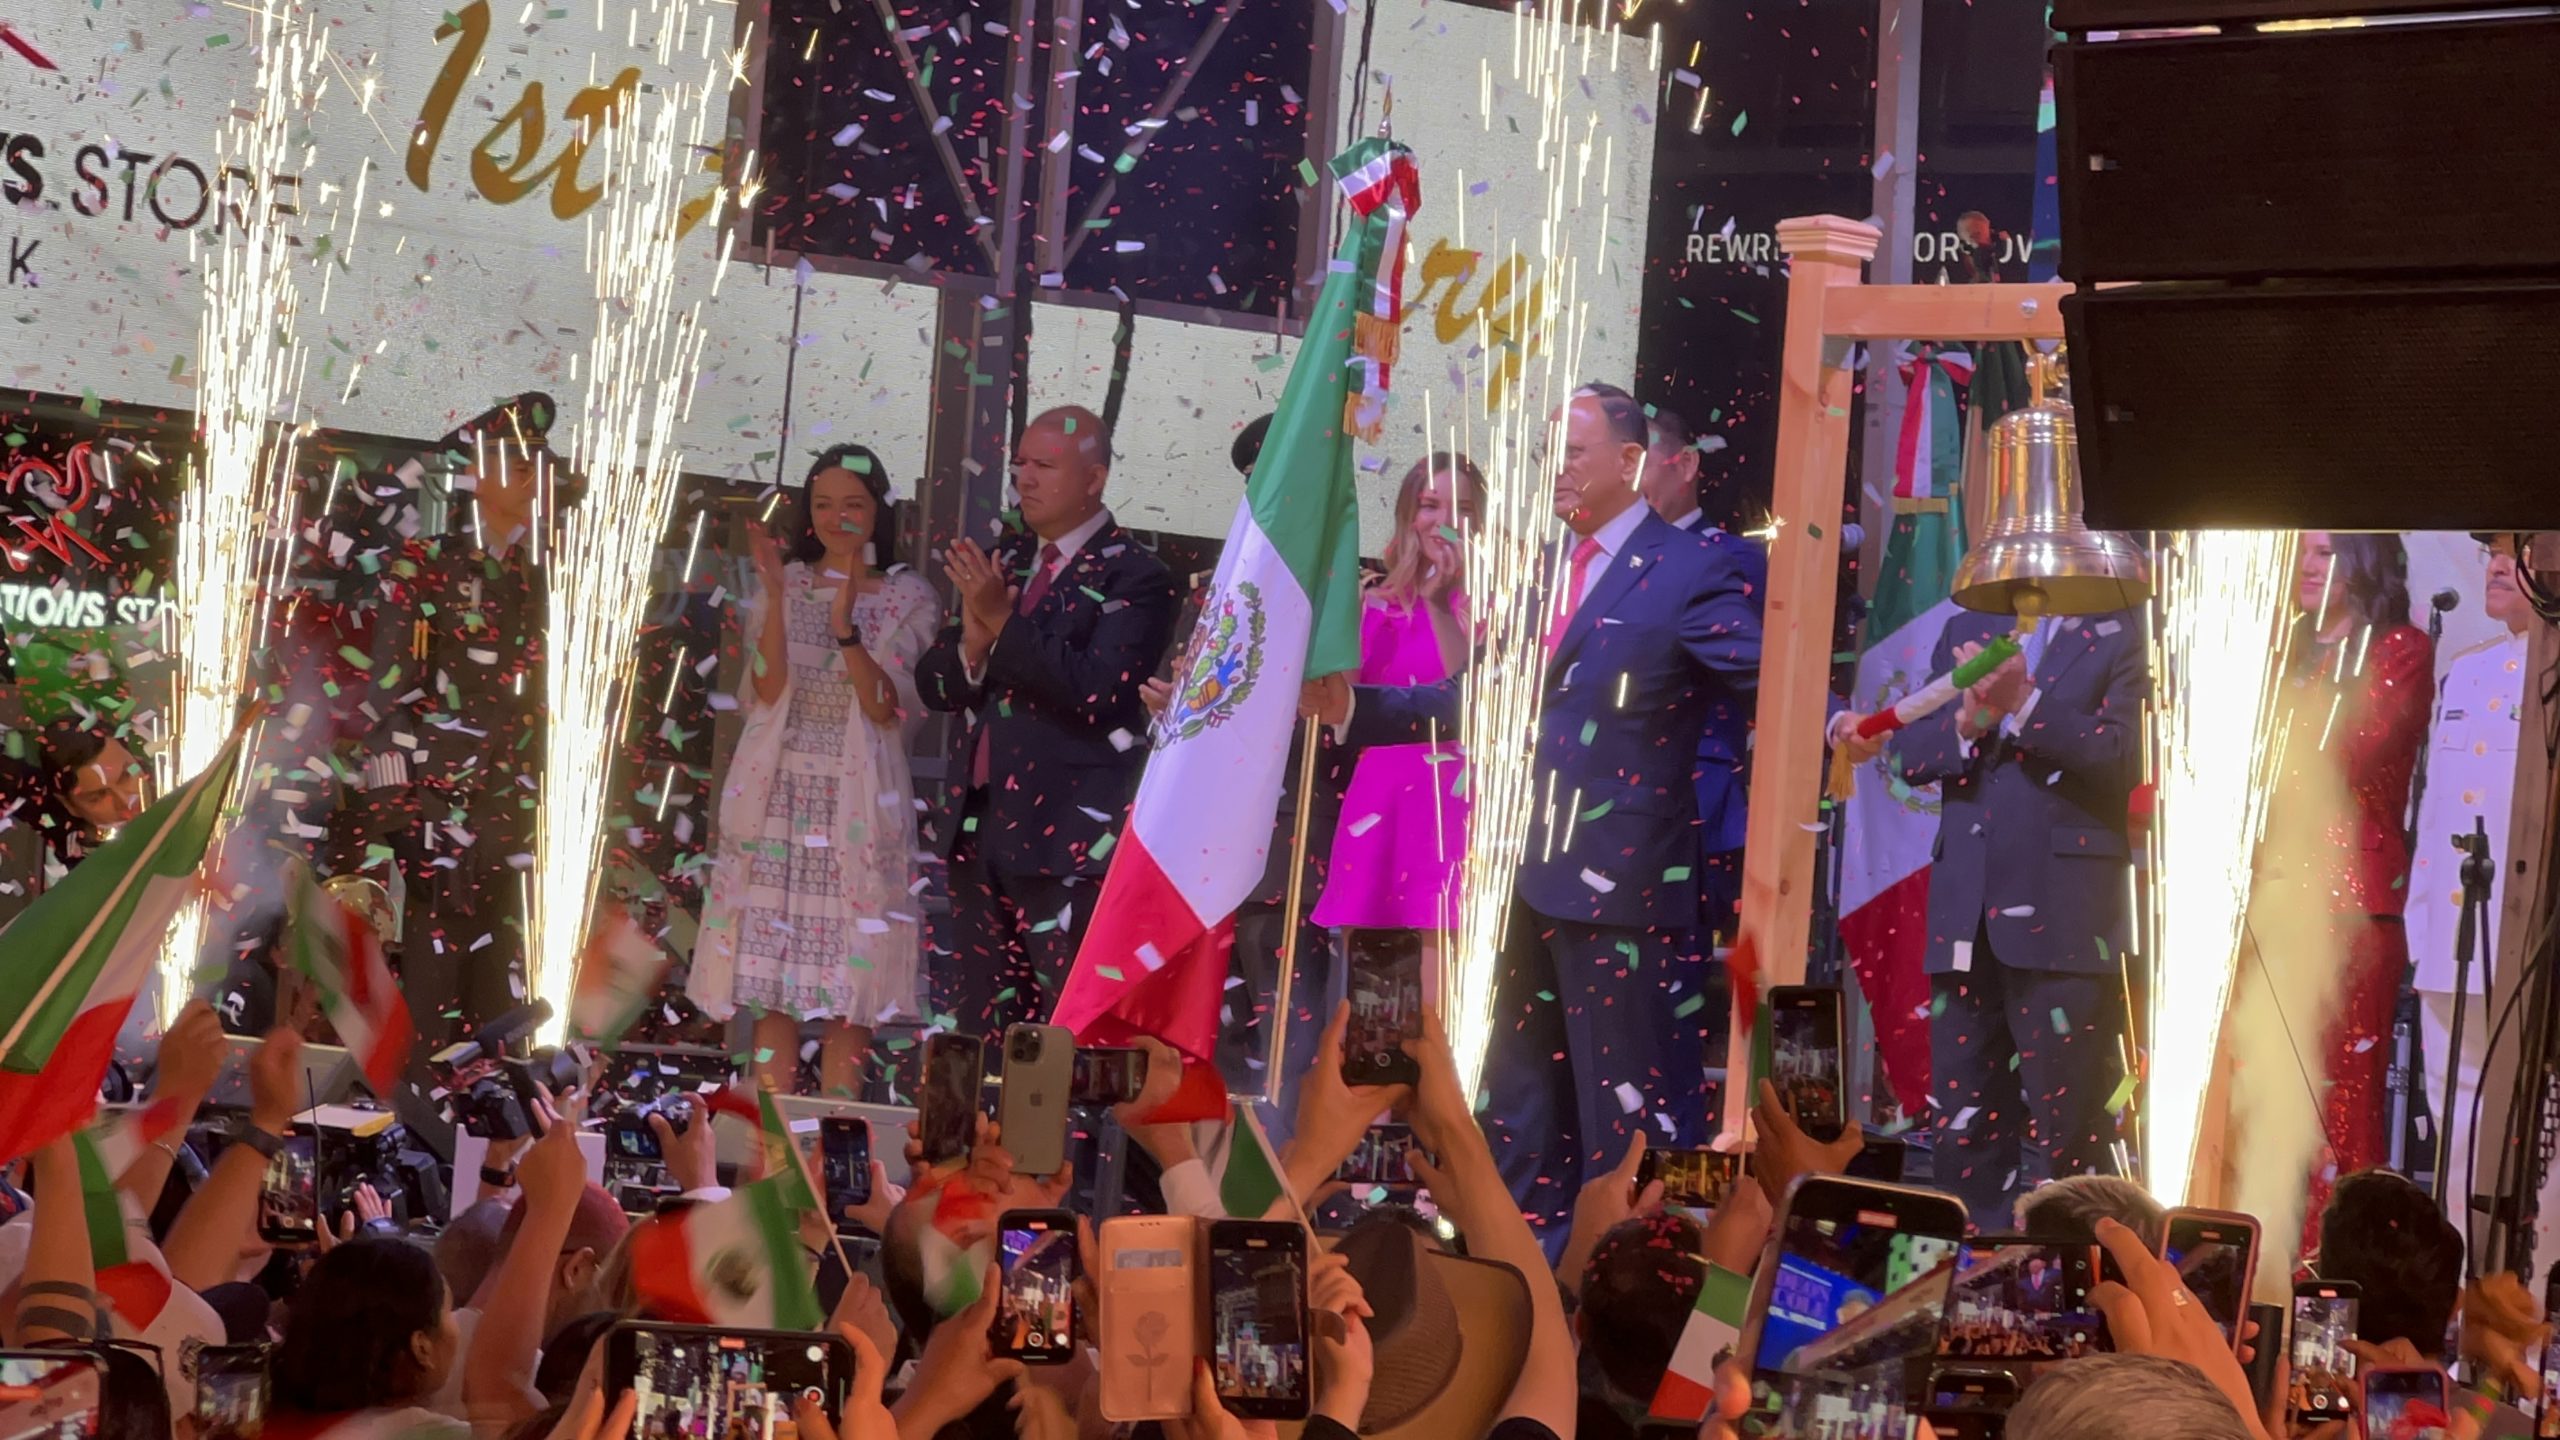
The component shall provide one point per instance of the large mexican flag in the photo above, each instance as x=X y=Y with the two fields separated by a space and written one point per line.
x=1284 y=605
x=1889 y=825
x=71 y=964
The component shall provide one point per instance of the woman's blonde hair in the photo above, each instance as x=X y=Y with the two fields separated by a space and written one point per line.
x=1405 y=558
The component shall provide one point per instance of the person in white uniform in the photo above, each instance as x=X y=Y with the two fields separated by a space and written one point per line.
x=2471 y=772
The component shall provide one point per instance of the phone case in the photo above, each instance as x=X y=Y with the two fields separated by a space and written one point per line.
x=1033 y=1109
x=1150 y=1317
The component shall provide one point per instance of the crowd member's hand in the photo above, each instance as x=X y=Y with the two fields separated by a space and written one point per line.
x=553 y=1171
x=191 y=1053
x=693 y=1159
x=1738 y=1229
x=1784 y=1151
x=588 y=1419
x=866 y=1416
x=860 y=1308
x=275 y=1081
x=2153 y=1313
x=1345 y=1360
x=873 y=1214
x=1438 y=1111
x=991 y=1173
x=1327 y=698
x=1156 y=695
x=1039 y=1413
x=1210 y=1418
x=1168 y=1141
x=1441 y=577
x=959 y=1368
x=1333 y=1114
x=1606 y=1199
x=2503 y=1332
x=370 y=1206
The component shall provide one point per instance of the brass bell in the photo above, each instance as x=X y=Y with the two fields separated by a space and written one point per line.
x=365 y=896
x=2036 y=556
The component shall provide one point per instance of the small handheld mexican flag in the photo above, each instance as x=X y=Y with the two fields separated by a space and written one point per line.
x=617 y=976
x=1688 y=1390
x=732 y=1262
x=339 y=953
x=784 y=1160
x=134 y=1288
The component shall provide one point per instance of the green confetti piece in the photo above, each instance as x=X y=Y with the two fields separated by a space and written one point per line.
x=2122 y=1097
x=1675 y=874
x=1746 y=315
x=216 y=42
x=1603 y=808
x=1103 y=846
x=1589 y=729
x=355 y=657
x=1045 y=926
x=1547 y=995
x=2061 y=1022
x=1813 y=530
x=1937 y=1006
x=1306 y=170
x=1740 y=119
x=1125 y=163
x=1689 y=1007
x=764 y=1054
x=2013 y=1064
x=1109 y=972
x=1095 y=595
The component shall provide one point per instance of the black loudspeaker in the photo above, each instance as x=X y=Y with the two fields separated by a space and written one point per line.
x=2316 y=405
x=2074 y=17
x=2402 y=149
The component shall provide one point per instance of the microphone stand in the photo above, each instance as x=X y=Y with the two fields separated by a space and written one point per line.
x=2477 y=873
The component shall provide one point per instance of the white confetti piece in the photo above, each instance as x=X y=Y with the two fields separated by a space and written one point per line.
x=1630 y=1099
x=1365 y=824
x=2019 y=912
x=1150 y=957
x=1964 y=1117
x=1598 y=881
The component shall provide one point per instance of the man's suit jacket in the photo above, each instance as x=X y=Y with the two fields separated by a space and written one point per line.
x=2032 y=837
x=1067 y=733
x=1724 y=750
x=1670 y=632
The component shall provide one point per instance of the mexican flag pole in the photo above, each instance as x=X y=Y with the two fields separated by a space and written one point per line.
x=1284 y=605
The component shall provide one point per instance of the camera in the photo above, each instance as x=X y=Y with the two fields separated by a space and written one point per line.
x=1023 y=1048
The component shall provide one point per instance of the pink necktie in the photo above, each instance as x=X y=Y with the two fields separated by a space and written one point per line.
x=1031 y=593
x=1583 y=555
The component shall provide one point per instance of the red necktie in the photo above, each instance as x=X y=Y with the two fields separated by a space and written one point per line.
x=1046 y=571
x=1581 y=567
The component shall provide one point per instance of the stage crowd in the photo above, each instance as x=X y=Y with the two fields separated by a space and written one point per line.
x=1530 y=1279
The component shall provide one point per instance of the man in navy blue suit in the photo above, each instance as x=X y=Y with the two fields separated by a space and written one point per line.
x=1670 y=486
x=2029 y=895
x=1654 y=628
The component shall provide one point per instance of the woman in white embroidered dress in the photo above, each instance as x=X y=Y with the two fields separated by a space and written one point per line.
x=811 y=914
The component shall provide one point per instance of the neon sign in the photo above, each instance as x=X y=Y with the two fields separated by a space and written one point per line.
x=57 y=492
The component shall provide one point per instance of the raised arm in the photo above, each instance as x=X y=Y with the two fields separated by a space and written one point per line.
x=497 y=1376
x=203 y=1248
x=189 y=1061
x=51 y=1306
x=1465 y=1183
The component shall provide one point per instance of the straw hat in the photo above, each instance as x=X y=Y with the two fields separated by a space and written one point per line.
x=1436 y=1376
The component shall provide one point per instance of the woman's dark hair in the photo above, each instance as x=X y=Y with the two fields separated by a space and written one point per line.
x=1637 y=1291
x=2369 y=576
x=346 y=1344
x=133 y=1401
x=2384 y=1233
x=564 y=1355
x=866 y=467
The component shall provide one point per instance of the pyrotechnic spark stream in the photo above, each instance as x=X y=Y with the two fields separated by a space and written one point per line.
x=2213 y=752
x=640 y=369
x=1514 y=558
x=235 y=520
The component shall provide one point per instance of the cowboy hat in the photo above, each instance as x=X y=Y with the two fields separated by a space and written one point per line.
x=1434 y=1377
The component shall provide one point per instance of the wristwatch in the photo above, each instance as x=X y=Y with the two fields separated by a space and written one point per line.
x=497 y=1179
x=267 y=1143
x=853 y=639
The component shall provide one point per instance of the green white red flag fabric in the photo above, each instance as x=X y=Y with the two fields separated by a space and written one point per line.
x=1246 y=1167
x=337 y=951
x=135 y=1288
x=1284 y=604
x=1889 y=826
x=73 y=962
x=616 y=977
x=784 y=1160
x=1688 y=1389
x=731 y=1262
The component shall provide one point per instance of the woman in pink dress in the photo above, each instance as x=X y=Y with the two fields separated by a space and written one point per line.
x=1394 y=864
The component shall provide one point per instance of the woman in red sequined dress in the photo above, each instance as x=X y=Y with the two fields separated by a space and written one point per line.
x=2364 y=684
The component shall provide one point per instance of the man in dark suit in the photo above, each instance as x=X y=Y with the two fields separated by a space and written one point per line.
x=1724 y=778
x=1058 y=628
x=2029 y=891
x=1653 y=628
